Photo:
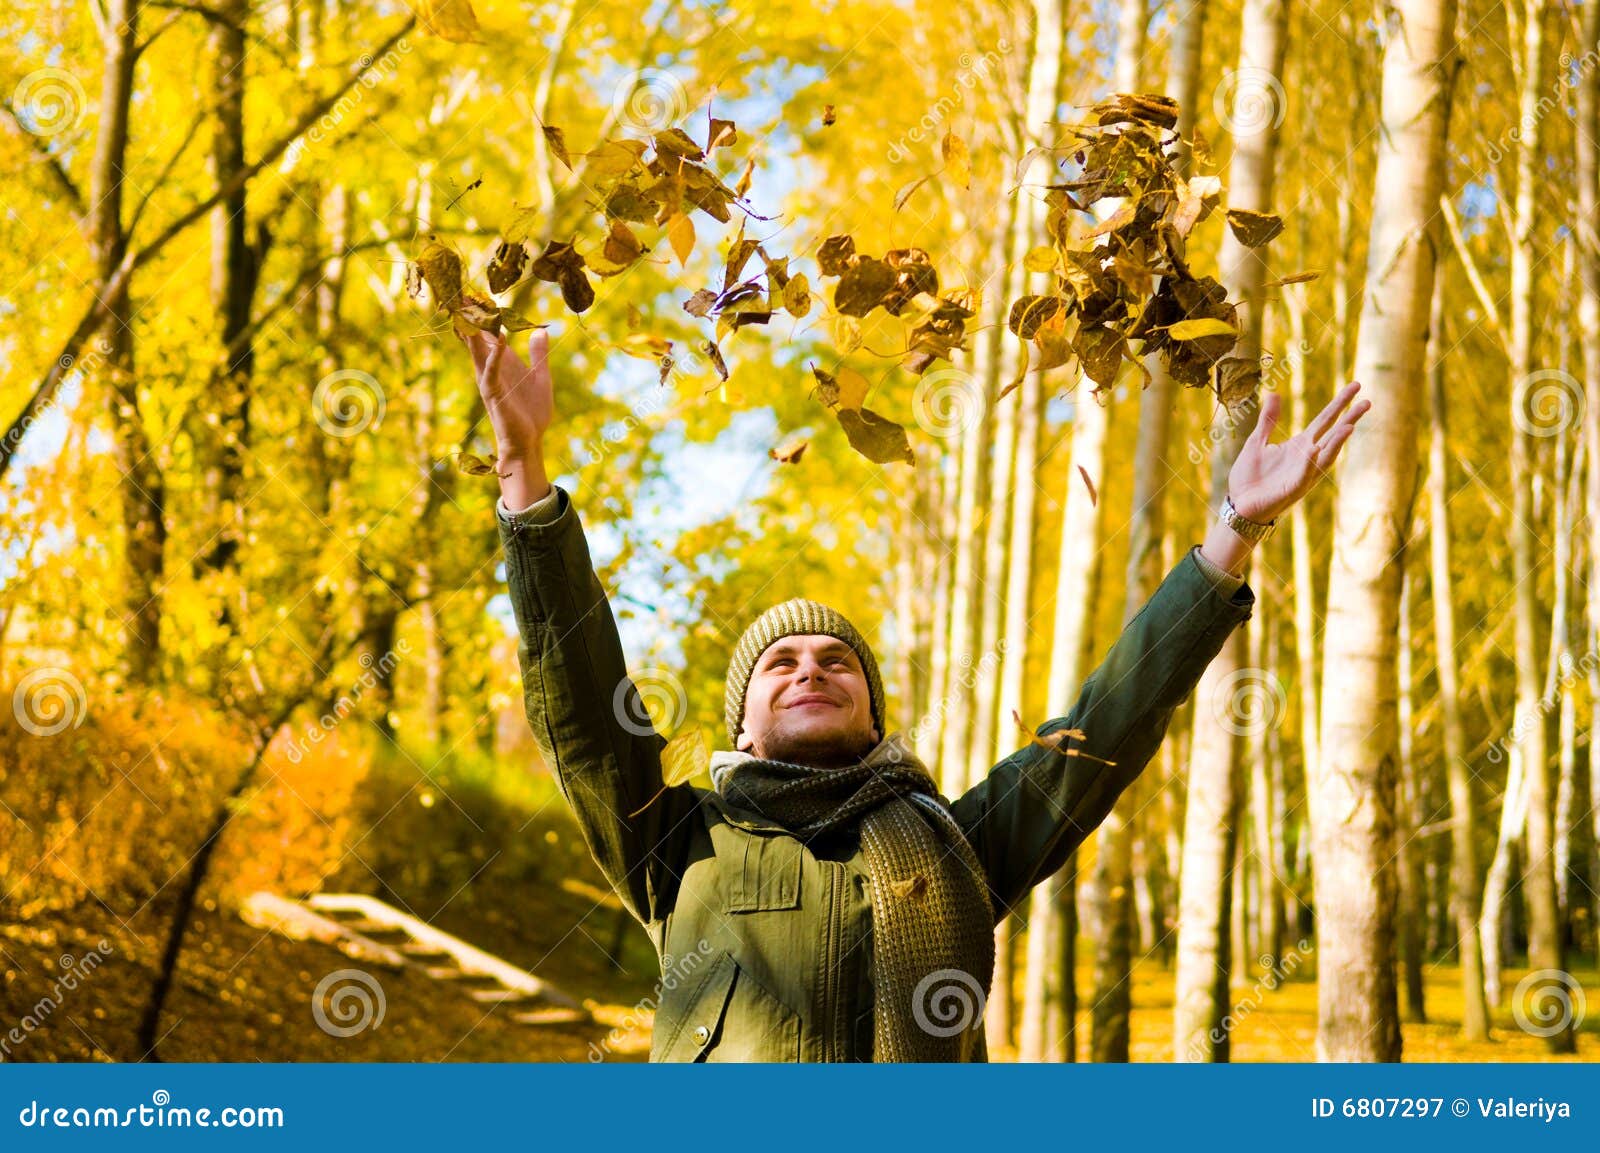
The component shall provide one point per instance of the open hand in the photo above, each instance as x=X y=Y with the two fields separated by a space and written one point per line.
x=1267 y=479
x=518 y=394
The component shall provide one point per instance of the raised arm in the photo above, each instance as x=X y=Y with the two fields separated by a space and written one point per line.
x=585 y=711
x=1040 y=803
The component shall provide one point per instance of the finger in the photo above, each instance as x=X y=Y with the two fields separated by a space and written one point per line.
x=1268 y=420
x=479 y=353
x=539 y=350
x=1324 y=419
x=1328 y=450
x=491 y=363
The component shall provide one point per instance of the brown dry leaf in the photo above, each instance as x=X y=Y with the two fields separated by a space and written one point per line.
x=557 y=139
x=441 y=268
x=789 y=453
x=911 y=888
x=834 y=255
x=906 y=190
x=710 y=348
x=827 y=116
x=957 y=160
x=863 y=287
x=1254 y=228
x=1057 y=739
x=507 y=266
x=1094 y=497
x=722 y=134
x=1292 y=278
x=700 y=304
x=877 y=438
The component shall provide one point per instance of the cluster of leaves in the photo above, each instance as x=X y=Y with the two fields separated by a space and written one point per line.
x=1116 y=276
x=1126 y=277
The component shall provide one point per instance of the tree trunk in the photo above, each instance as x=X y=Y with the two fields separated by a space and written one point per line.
x=1465 y=885
x=1352 y=794
x=1210 y=838
x=1529 y=723
x=1412 y=897
x=142 y=490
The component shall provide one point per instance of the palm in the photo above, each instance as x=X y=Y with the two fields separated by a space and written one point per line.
x=517 y=394
x=1267 y=479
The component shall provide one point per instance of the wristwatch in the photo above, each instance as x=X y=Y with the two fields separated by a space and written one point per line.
x=1252 y=530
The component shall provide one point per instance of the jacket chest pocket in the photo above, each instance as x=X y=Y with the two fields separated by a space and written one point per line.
x=767 y=877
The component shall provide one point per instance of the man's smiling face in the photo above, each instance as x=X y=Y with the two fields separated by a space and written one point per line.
x=808 y=704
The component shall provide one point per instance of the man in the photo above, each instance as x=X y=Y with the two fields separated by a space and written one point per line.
x=822 y=902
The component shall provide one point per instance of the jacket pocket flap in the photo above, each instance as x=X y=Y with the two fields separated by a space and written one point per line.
x=701 y=1018
x=768 y=877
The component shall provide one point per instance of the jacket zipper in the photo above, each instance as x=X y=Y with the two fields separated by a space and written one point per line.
x=831 y=996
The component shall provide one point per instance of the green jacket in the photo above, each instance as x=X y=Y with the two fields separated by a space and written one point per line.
x=765 y=946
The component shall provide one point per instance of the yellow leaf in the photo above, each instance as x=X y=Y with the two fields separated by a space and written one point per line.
x=680 y=234
x=452 y=20
x=957 y=161
x=853 y=388
x=1205 y=326
x=1041 y=259
x=685 y=756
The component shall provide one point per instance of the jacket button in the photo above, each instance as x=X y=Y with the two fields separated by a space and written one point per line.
x=701 y=1034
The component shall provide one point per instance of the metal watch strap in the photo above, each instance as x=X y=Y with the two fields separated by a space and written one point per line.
x=1250 y=530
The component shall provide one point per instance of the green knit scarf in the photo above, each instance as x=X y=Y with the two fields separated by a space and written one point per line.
x=932 y=921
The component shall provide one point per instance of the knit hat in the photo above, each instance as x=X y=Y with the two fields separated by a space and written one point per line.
x=798 y=617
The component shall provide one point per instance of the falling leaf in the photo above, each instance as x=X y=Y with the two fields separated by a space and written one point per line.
x=1254 y=228
x=1030 y=312
x=474 y=465
x=683 y=758
x=1094 y=497
x=451 y=20
x=853 y=388
x=710 y=348
x=1041 y=259
x=827 y=116
x=833 y=257
x=957 y=160
x=797 y=296
x=507 y=266
x=680 y=234
x=1056 y=740
x=789 y=453
x=907 y=189
x=911 y=888
x=621 y=245
x=1293 y=278
x=700 y=304
x=576 y=291
x=441 y=268
x=877 y=438
x=722 y=134
x=557 y=139
x=863 y=287
x=1205 y=326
